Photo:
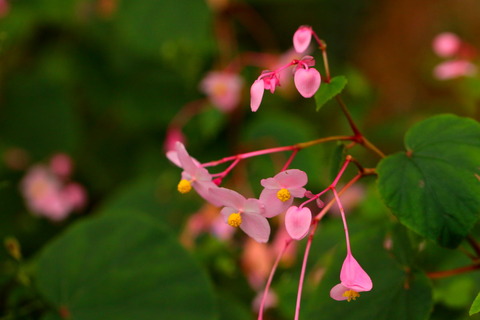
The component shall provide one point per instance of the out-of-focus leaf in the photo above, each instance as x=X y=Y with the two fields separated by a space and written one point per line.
x=329 y=90
x=475 y=308
x=125 y=266
x=433 y=188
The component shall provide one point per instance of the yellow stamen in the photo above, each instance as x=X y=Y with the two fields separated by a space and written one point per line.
x=184 y=186
x=351 y=295
x=283 y=195
x=235 y=220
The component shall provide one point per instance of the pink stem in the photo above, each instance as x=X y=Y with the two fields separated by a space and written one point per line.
x=345 y=227
x=270 y=278
x=289 y=161
x=304 y=268
x=340 y=173
x=230 y=167
x=249 y=155
x=315 y=197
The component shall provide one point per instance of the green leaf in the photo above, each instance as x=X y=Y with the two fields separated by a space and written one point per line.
x=475 y=308
x=329 y=90
x=434 y=187
x=124 y=266
x=398 y=293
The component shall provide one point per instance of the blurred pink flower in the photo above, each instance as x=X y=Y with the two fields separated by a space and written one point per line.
x=257 y=260
x=446 y=44
x=172 y=136
x=279 y=191
x=223 y=89
x=47 y=196
x=302 y=38
x=453 y=69
x=271 y=300
x=61 y=165
x=353 y=279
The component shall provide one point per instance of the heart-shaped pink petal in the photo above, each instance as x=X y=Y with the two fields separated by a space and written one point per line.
x=302 y=38
x=297 y=222
x=307 y=81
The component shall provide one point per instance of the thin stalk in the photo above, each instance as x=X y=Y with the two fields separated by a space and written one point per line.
x=448 y=273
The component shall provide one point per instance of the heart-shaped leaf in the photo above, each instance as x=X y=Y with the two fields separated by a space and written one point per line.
x=329 y=90
x=434 y=187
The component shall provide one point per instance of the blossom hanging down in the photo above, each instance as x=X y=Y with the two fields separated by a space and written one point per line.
x=279 y=191
x=248 y=214
x=353 y=279
x=302 y=38
x=268 y=80
x=193 y=175
x=307 y=80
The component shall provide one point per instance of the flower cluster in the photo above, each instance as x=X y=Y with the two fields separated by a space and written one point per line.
x=460 y=54
x=49 y=192
x=279 y=192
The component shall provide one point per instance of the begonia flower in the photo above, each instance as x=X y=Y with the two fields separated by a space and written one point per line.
x=173 y=136
x=193 y=175
x=298 y=221
x=279 y=191
x=61 y=164
x=446 y=44
x=353 y=279
x=248 y=214
x=4 y=8
x=307 y=80
x=454 y=69
x=302 y=38
x=268 y=80
x=223 y=89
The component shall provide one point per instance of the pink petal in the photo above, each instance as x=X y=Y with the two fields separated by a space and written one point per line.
x=353 y=276
x=302 y=38
x=297 y=192
x=173 y=157
x=337 y=292
x=228 y=198
x=446 y=44
x=454 y=69
x=256 y=94
x=186 y=161
x=273 y=205
x=226 y=212
x=270 y=183
x=254 y=206
x=307 y=81
x=292 y=178
x=256 y=227
x=297 y=222
x=203 y=188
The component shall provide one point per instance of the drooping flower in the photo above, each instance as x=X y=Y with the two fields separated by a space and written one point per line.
x=173 y=135
x=297 y=222
x=454 y=69
x=307 y=80
x=61 y=164
x=223 y=89
x=248 y=214
x=446 y=44
x=353 y=279
x=193 y=175
x=279 y=191
x=268 y=80
x=302 y=38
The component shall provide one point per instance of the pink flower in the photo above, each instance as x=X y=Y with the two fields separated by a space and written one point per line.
x=61 y=165
x=223 y=89
x=268 y=80
x=353 y=280
x=193 y=175
x=279 y=191
x=47 y=196
x=297 y=222
x=453 y=69
x=302 y=38
x=307 y=80
x=248 y=214
x=446 y=44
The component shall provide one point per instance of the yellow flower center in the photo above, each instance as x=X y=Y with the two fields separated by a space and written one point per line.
x=283 y=195
x=235 y=220
x=351 y=295
x=184 y=186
